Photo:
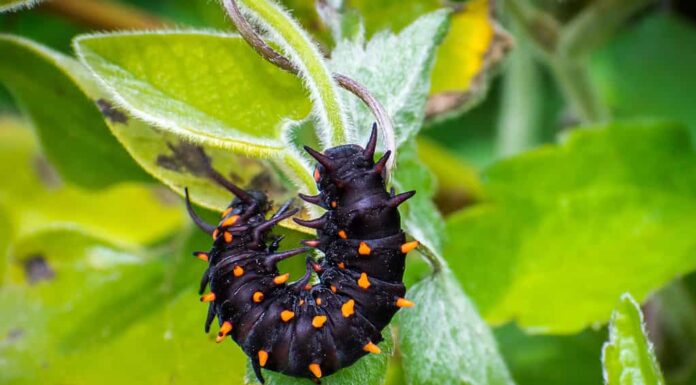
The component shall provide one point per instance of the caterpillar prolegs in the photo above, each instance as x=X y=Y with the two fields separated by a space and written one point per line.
x=296 y=328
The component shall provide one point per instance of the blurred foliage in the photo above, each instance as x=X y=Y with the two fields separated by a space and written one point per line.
x=645 y=70
x=547 y=222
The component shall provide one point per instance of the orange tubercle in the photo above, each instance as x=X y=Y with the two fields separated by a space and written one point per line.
x=257 y=297
x=341 y=265
x=281 y=279
x=319 y=321
x=224 y=331
x=403 y=302
x=287 y=315
x=203 y=256
x=228 y=237
x=209 y=297
x=408 y=246
x=230 y=221
x=348 y=308
x=238 y=271
x=263 y=357
x=364 y=249
x=315 y=369
x=342 y=234
x=372 y=348
x=317 y=175
x=363 y=281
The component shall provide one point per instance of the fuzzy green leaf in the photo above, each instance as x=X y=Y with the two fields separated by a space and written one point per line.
x=396 y=69
x=209 y=88
x=369 y=370
x=297 y=45
x=561 y=217
x=71 y=129
x=628 y=356
x=13 y=5
x=444 y=341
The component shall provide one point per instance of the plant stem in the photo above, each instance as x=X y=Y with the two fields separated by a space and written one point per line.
x=518 y=123
x=574 y=81
x=595 y=24
x=103 y=14
x=435 y=260
x=307 y=58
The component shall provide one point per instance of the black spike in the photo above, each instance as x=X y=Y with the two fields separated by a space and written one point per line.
x=262 y=228
x=257 y=370
x=210 y=317
x=321 y=158
x=371 y=145
x=274 y=259
x=208 y=228
x=313 y=199
x=204 y=281
x=231 y=187
x=283 y=208
x=316 y=223
x=395 y=201
x=302 y=282
x=382 y=162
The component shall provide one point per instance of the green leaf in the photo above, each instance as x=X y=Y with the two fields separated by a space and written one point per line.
x=549 y=248
x=71 y=129
x=419 y=216
x=13 y=5
x=5 y=237
x=206 y=88
x=296 y=44
x=82 y=323
x=647 y=72
x=210 y=88
x=396 y=69
x=552 y=360
x=369 y=370
x=628 y=356
x=443 y=340
x=127 y=214
x=392 y=14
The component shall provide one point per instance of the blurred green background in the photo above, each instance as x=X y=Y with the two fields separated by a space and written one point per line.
x=98 y=286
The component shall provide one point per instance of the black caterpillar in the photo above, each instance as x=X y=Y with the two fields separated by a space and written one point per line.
x=300 y=329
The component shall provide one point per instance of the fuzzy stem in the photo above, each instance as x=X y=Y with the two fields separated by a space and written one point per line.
x=438 y=264
x=308 y=59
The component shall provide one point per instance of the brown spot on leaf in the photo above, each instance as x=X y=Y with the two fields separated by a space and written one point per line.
x=110 y=112
x=14 y=335
x=36 y=269
x=186 y=157
x=47 y=173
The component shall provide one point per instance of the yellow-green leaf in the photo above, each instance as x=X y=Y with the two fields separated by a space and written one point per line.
x=628 y=356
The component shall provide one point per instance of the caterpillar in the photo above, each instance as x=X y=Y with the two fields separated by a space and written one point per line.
x=297 y=328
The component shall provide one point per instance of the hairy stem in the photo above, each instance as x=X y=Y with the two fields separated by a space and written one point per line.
x=103 y=14
x=273 y=56
x=438 y=264
x=309 y=61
